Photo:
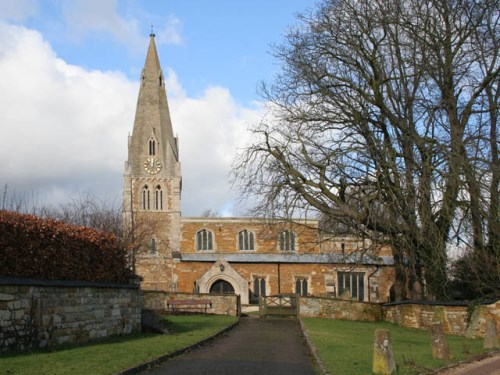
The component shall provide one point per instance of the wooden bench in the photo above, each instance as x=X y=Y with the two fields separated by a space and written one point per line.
x=177 y=305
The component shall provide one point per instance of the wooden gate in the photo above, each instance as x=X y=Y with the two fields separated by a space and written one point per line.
x=280 y=305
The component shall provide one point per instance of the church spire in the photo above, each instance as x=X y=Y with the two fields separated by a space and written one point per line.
x=153 y=134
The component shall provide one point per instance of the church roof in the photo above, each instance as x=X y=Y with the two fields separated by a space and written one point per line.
x=289 y=258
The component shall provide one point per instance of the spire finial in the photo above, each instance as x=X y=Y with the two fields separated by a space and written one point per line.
x=152 y=31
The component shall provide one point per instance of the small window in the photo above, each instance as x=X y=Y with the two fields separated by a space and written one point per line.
x=287 y=240
x=301 y=286
x=246 y=240
x=158 y=198
x=145 y=198
x=259 y=289
x=152 y=146
x=152 y=247
x=204 y=240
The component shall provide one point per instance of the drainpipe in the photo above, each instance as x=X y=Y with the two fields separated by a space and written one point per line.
x=369 y=276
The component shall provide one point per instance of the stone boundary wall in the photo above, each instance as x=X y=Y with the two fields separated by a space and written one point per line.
x=221 y=304
x=339 y=309
x=455 y=317
x=47 y=313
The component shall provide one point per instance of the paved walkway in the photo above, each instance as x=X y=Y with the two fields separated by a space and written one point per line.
x=487 y=366
x=255 y=346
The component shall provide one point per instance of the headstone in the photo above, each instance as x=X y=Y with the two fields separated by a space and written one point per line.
x=490 y=334
x=383 y=357
x=439 y=344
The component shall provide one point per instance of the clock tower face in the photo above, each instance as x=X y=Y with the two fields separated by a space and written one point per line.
x=152 y=166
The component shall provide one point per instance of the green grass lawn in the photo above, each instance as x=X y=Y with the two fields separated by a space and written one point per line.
x=116 y=354
x=346 y=347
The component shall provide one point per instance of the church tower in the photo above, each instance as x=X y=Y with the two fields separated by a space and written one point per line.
x=152 y=186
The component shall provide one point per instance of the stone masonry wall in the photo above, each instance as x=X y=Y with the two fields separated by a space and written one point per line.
x=454 y=317
x=457 y=319
x=221 y=304
x=339 y=309
x=41 y=313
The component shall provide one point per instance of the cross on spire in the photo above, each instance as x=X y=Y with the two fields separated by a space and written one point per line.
x=152 y=31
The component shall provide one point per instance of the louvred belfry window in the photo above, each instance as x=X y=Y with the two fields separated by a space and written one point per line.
x=152 y=147
x=145 y=198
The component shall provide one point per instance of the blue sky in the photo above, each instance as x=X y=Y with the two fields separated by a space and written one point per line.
x=219 y=42
x=70 y=81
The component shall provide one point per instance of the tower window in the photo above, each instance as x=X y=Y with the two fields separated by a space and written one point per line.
x=145 y=198
x=246 y=240
x=152 y=146
x=204 y=240
x=287 y=240
x=152 y=246
x=158 y=198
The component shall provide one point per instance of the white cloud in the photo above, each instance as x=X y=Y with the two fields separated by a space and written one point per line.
x=168 y=31
x=61 y=125
x=101 y=16
x=17 y=9
x=64 y=128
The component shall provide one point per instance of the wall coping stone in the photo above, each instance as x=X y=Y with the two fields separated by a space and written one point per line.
x=11 y=281
x=438 y=303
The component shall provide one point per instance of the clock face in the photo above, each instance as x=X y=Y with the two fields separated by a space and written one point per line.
x=152 y=166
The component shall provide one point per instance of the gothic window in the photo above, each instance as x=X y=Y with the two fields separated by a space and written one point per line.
x=352 y=283
x=287 y=240
x=301 y=286
x=204 y=240
x=145 y=198
x=152 y=246
x=158 y=198
x=246 y=240
x=259 y=289
x=152 y=146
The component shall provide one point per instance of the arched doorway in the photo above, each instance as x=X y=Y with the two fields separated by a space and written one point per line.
x=221 y=287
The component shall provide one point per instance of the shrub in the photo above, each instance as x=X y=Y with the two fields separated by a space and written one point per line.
x=31 y=247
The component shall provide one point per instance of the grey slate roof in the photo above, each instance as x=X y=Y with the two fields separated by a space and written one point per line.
x=288 y=258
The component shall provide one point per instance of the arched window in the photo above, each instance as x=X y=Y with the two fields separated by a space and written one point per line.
x=152 y=246
x=152 y=146
x=287 y=240
x=158 y=198
x=301 y=286
x=259 y=289
x=204 y=240
x=246 y=240
x=145 y=198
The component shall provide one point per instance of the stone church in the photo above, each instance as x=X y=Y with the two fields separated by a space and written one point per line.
x=247 y=256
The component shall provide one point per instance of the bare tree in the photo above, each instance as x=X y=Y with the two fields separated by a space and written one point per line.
x=370 y=123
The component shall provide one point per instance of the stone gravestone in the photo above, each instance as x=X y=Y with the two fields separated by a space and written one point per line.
x=439 y=344
x=383 y=357
x=490 y=334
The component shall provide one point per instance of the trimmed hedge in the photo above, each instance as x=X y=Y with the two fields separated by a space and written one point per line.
x=31 y=247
